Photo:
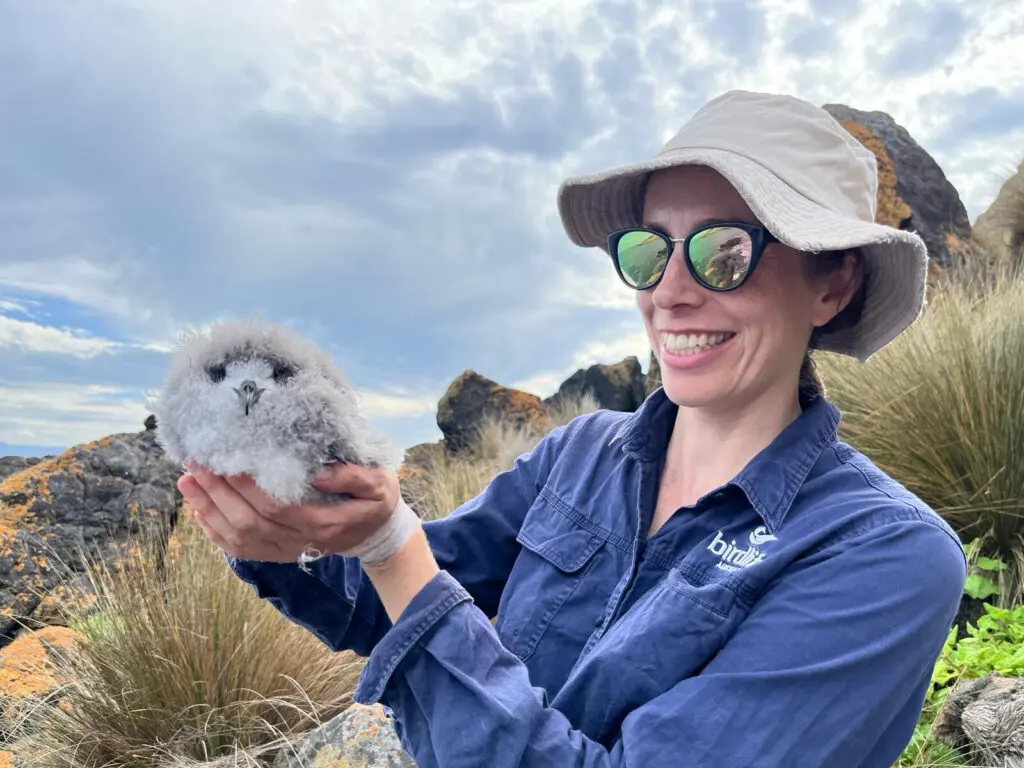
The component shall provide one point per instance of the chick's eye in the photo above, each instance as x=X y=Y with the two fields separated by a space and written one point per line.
x=217 y=373
x=283 y=372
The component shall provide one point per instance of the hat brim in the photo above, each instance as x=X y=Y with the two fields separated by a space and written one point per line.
x=594 y=205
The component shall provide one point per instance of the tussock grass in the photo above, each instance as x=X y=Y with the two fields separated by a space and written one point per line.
x=181 y=664
x=942 y=410
x=454 y=478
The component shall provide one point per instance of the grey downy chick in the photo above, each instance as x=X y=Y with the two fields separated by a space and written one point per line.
x=255 y=398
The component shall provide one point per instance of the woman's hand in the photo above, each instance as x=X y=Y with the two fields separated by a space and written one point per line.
x=244 y=522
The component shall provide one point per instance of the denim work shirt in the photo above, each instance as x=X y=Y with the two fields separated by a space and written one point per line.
x=790 y=618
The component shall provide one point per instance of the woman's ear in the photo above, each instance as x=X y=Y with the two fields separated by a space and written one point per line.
x=836 y=288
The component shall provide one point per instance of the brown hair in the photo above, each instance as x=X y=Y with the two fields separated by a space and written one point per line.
x=817 y=265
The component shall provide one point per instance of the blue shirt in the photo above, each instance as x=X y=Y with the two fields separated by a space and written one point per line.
x=791 y=617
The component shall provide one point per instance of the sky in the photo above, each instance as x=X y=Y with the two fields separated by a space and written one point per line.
x=381 y=176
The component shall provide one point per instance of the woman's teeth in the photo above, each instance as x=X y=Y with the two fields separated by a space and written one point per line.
x=690 y=343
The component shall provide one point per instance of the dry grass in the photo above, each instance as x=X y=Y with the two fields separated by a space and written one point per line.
x=941 y=409
x=181 y=664
x=452 y=479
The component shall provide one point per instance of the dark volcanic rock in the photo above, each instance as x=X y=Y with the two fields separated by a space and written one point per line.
x=471 y=398
x=616 y=387
x=360 y=736
x=913 y=191
x=984 y=718
x=89 y=499
x=11 y=464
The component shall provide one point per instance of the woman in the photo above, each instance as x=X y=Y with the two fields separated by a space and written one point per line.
x=713 y=580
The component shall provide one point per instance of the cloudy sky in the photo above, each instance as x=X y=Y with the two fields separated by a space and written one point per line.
x=380 y=175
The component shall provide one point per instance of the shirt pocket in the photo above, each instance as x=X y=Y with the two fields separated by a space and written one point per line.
x=669 y=634
x=548 y=588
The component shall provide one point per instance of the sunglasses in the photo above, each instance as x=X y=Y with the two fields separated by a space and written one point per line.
x=720 y=256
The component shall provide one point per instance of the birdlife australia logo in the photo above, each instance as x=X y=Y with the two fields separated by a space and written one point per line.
x=732 y=556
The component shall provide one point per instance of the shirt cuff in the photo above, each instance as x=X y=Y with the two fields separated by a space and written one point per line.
x=425 y=610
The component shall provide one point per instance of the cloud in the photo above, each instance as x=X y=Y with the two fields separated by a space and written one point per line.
x=922 y=36
x=52 y=414
x=40 y=338
x=382 y=177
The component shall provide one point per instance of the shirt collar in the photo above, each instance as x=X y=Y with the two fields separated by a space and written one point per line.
x=771 y=479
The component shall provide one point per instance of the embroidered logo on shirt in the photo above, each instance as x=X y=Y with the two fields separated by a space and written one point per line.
x=760 y=535
x=732 y=557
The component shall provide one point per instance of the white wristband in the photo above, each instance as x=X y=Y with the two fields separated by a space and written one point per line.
x=382 y=543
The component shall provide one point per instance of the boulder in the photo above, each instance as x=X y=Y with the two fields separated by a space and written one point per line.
x=414 y=473
x=89 y=499
x=470 y=398
x=984 y=718
x=616 y=387
x=1000 y=227
x=652 y=380
x=360 y=737
x=11 y=464
x=28 y=670
x=913 y=191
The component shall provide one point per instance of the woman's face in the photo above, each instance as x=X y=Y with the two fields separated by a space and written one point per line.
x=757 y=334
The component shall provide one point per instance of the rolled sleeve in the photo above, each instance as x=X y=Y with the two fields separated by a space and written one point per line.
x=440 y=595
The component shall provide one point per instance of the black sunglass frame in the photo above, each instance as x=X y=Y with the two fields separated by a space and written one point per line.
x=759 y=239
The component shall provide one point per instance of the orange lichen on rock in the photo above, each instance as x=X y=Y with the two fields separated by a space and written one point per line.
x=25 y=666
x=33 y=569
x=891 y=209
x=60 y=602
x=518 y=405
x=31 y=484
x=6 y=759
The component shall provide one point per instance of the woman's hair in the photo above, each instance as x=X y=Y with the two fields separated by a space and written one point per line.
x=818 y=265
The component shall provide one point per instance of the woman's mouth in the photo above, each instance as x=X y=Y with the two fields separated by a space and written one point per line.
x=692 y=343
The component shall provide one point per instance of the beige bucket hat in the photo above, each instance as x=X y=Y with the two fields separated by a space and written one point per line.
x=806 y=179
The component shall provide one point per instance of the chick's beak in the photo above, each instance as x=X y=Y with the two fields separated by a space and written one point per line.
x=248 y=393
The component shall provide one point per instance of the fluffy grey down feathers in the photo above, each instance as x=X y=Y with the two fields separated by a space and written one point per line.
x=255 y=398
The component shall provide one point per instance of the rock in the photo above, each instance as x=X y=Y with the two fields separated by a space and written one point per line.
x=360 y=737
x=472 y=397
x=616 y=387
x=27 y=669
x=913 y=191
x=150 y=423
x=653 y=378
x=424 y=455
x=414 y=472
x=11 y=464
x=984 y=717
x=1000 y=227
x=92 y=497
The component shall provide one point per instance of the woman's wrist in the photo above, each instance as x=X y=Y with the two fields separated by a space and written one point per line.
x=401 y=576
x=379 y=546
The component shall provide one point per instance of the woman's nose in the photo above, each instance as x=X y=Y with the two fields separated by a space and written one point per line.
x=677 y=285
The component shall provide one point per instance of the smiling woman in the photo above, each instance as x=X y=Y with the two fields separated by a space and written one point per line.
x=713 y=580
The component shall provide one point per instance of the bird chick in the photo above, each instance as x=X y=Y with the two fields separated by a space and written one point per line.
x=254 y=398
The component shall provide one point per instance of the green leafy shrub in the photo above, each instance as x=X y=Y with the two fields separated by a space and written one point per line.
x=995 y=643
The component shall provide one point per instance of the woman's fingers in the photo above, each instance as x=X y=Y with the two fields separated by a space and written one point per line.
x=358 y=481
x=213 y=523
x=230 y=514
x=245 y=486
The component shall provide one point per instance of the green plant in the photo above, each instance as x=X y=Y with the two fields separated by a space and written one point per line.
x=978 y=585
x=941 y=409
x=995 y=643
x=179 y=661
